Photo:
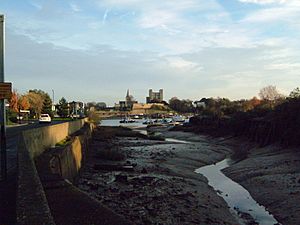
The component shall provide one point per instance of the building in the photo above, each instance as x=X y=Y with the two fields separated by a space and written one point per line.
x=76 y=109
x=155 y=97
x=199 y=104
x=127 y=104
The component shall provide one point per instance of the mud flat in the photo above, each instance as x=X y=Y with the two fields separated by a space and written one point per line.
x=153 y=181
x=272 y=176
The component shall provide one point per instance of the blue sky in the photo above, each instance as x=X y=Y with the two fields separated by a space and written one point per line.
x=94 y=50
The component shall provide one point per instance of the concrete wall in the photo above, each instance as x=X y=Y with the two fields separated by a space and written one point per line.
x=67 y=161
x=39 y=139
x=32 y=206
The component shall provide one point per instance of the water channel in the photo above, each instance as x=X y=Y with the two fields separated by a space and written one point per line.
x=236 y=196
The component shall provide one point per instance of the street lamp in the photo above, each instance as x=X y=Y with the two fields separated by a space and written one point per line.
x=53 y=105
x=2 y=105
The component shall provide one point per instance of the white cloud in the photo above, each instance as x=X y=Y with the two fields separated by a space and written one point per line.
x=180 y=63
x=283 y=66
x=158 y=18
x=35 y=5
x=278 y=54
x=105 y=16
x=75 y=7
x=288 y=12
x=263 y=2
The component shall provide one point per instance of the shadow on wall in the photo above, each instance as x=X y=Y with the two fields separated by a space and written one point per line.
x=67 y=159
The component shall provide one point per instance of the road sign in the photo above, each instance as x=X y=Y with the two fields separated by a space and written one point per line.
x=5 y=90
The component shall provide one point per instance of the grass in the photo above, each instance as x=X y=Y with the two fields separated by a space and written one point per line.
x=64 y=142
x=10 y=123
x=60 y=119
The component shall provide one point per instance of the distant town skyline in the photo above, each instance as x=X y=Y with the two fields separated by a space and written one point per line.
x=95 y=50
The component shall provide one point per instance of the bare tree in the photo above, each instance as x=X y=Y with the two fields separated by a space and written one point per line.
x=269 y=93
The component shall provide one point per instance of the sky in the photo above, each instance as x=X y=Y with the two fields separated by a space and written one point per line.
x=94 y=50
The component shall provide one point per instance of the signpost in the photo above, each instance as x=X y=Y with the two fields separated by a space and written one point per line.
x=4 y=93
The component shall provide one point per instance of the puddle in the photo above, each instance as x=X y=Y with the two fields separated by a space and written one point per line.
x=236 y=196
x=174 y=140
x=177 y=140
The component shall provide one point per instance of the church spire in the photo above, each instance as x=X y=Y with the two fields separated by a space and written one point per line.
x=127 y=95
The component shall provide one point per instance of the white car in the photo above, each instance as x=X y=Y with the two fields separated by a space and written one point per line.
x=45 y=118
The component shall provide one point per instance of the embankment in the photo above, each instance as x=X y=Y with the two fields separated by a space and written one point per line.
x=261 y=130
x=267 y=149
x=58 y=169
x=32 y=206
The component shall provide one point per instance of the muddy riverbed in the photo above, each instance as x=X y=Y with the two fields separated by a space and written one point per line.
x=154 y=181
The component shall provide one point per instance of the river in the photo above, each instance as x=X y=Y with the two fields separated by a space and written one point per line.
x=241 y=203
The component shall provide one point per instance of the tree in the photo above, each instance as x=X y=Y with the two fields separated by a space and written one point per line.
x=44 y=102
x=36 y=103
x=269 y=93
x=174 y=103
x=255 y=102
x=47 y=105
x=24 y=102
x=182 y=106
x=100 y=105
x=63 y=108
x=13 y=101
x=295 y=93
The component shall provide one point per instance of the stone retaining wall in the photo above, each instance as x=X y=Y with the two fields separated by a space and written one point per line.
x=32 y=206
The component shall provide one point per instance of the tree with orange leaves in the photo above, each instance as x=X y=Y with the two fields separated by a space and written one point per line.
x=255 y=101
x=23 y=102
x=13 y=101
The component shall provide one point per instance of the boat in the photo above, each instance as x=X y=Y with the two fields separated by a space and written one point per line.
x=166 y=121
x=178 y=118
x=148 y=121
x=127 y=120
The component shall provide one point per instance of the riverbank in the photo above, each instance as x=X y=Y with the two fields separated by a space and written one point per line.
x=153 y=181
x=270 y=173
x=272 y=176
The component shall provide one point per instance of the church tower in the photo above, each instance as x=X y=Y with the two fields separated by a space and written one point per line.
x=128 y=97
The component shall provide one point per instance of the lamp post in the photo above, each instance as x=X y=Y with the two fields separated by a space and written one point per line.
x=2 y=105
x=74 y=109
x=53 y=105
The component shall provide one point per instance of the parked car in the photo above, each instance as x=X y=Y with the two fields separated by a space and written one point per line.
x=45 y=118
x=19 y=117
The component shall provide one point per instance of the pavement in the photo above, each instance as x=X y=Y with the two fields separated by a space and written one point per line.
x=8 y=187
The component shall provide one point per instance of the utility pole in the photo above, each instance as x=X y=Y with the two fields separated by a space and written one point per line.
x=2 y=105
